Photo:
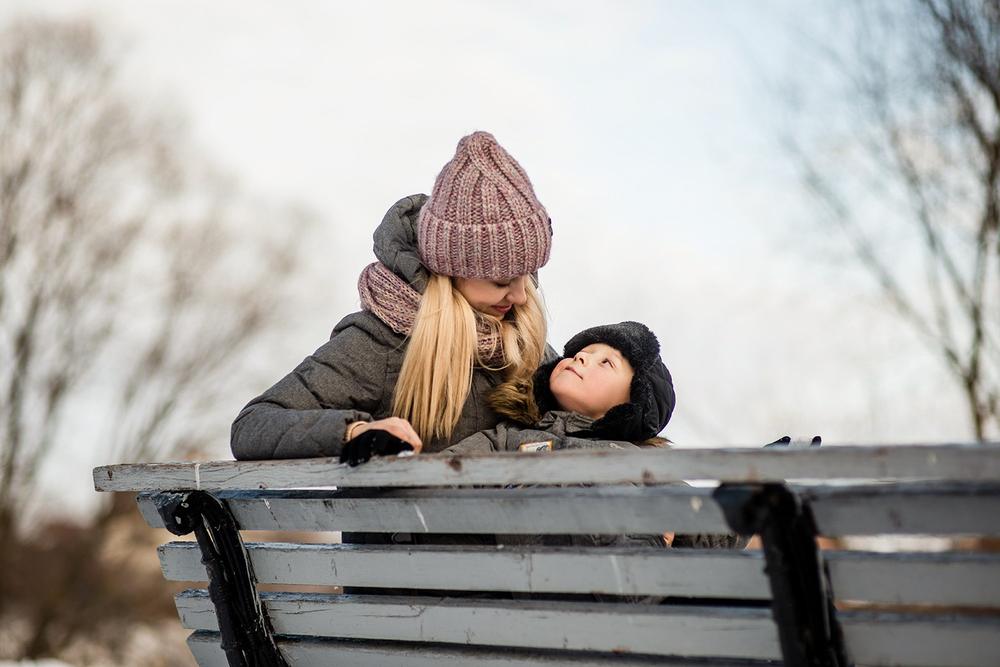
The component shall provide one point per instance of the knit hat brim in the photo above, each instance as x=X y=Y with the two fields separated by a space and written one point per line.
x=491 y=252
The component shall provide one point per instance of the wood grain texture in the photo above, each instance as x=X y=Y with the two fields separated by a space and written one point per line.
x=917 y=508
x=878 y=639
x=620 y=628
x=531 y=511
x=906 y=509
x=322 y=652
x=898 y=462
x=953 y=579
x=613 y=571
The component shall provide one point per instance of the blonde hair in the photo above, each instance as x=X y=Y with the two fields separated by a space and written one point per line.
x=436 y=376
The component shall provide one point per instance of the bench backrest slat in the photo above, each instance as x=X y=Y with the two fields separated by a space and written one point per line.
x=902 y=509
x=652 y=630
x=323 y=652
x=538 y=511
x=879 y=510
x=876 y=639
x=955 y=579
x=613 y=571
x=928 y=640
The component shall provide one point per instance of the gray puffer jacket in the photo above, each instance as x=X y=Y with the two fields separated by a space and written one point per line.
x=353 y=375
x=508 y=436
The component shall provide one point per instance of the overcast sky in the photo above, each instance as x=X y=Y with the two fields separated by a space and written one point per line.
x=649 y=132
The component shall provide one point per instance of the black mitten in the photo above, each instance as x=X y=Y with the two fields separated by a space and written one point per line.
x=374 y=442
x=786 y=440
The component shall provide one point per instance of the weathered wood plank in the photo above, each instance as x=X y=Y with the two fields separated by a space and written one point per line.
x=613 y=571
x=949 y=578
x=878 y=639
x=921 y=640
x=533 y=511
x=900 y=509
x=943 y=462
x=323 y=652
x=855 y=510
x=954 y=579
x=655 y=630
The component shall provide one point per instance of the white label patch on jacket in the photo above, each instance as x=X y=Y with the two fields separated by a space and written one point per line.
x=543 y=446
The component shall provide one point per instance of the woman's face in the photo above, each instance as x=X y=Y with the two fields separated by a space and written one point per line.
x=494 y=298
x=597 y=379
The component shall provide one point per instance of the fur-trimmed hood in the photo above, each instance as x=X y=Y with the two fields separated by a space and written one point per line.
x=515 y=400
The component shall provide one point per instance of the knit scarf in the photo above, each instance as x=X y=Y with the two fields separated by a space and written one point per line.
x=395 y=302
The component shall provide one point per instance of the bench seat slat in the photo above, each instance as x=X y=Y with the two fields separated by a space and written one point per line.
x=644 y=629
x=858 y=510
x=956 y=579
x=902 y=462
x=323 y=652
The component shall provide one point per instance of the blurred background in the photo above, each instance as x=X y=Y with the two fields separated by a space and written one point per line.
x=800 y=199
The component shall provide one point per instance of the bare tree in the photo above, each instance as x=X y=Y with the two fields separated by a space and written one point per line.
x=901 y=151
x=132 y=274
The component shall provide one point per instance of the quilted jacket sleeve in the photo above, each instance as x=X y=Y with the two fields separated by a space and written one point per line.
x=306 y=413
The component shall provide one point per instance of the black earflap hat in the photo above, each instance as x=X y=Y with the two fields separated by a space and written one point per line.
x=651 y=394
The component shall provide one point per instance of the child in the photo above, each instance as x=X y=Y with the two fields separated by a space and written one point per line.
x=610 y=390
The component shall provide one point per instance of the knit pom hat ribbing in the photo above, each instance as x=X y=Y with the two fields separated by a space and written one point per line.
x=483 y=219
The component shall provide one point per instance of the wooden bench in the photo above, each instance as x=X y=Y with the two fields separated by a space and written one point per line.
x=719 y=607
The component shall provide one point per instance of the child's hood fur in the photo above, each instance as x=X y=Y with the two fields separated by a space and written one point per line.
x=515 y=400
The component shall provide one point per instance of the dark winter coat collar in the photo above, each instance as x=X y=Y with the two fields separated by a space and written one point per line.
x=396 y=241
x=563 y=422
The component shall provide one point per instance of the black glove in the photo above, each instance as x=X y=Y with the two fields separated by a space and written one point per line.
x=374 y=442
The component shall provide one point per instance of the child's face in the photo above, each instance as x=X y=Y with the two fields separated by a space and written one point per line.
x=594 y=381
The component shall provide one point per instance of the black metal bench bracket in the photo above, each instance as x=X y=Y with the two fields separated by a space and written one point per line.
x=246 y=632
x=800 y=584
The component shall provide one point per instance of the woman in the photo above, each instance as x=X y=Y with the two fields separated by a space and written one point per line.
x=450 y=310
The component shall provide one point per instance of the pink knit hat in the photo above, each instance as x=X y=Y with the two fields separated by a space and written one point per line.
x=482 y=219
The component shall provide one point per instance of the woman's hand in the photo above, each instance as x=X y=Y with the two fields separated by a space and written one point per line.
x=397 y=426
